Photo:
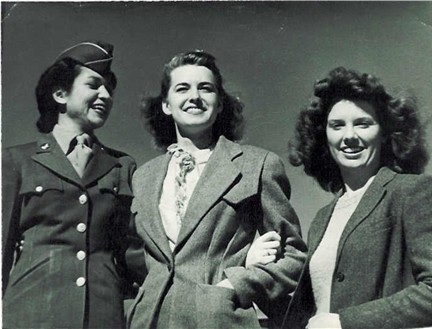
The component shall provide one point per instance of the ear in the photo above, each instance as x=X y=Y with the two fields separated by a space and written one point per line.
x=166 y=108
x=59 y=96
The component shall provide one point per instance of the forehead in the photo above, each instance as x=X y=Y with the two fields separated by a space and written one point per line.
x=346 y=109
x=191 y=73
x=86 y=73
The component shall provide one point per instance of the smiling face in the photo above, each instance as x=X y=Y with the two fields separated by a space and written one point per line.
x=192 y=100
x=88 y=103
x=354 y=137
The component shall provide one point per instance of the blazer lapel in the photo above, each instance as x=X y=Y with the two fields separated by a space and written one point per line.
x=367 y=204
x=149 y=188
x=320 y=225
x=219 y=175
x=50 y=155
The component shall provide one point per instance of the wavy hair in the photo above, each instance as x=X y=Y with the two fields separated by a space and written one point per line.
x=403 y=148
x=229 y=123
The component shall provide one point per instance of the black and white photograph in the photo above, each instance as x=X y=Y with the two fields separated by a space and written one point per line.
x=216 y=164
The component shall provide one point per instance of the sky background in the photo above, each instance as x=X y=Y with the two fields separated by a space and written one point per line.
x=270 y=54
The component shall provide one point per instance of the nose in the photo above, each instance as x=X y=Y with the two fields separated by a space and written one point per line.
x=195 y=97
x=104 y=93
x=350 y=136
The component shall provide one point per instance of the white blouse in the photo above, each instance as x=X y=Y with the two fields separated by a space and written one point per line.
x=167 y=207
x=323 y=260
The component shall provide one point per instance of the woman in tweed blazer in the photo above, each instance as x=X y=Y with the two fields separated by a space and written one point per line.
x=370 y=251
x=196 y=267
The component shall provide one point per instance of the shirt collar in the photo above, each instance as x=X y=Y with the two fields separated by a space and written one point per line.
x=64 y=136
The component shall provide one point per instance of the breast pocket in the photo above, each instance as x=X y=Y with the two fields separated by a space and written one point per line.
x=39 y=183
x=116 y=185
x=244 y=190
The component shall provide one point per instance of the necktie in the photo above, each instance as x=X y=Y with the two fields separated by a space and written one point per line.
x=186 y=165
x=81 y=154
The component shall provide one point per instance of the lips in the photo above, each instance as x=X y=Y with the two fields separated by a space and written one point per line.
x=352 y=150
x=99 y=108
x=194 y=109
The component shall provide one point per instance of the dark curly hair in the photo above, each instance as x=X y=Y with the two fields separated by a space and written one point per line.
x=229 y=122
x=403 y=148
x=60 y=75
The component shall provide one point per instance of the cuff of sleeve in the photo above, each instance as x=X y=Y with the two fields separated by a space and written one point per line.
x=237 y=277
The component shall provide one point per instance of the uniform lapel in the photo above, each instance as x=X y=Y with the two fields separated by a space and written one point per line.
x=50 y=155
x=100 y=163
x=148 y=188
x=219 y=175
x=367 y=204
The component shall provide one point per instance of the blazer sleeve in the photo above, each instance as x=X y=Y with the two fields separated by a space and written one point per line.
x=264 y=284
x=10 y=212
x=411 y=306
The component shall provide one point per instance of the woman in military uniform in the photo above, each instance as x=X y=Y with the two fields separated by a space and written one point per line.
x=66 y=200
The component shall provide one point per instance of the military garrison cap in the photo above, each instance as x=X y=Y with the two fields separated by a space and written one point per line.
x=95 y=55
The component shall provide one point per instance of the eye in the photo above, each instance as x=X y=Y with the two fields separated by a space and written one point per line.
x=335 y=125
x=364 y=124
x=208 y=88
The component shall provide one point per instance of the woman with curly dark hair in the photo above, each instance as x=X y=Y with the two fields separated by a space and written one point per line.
x=198 y=208
x=370 y=260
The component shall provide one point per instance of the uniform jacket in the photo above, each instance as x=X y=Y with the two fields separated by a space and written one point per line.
x=383 y=274
x=241 y=190
x=72 y=234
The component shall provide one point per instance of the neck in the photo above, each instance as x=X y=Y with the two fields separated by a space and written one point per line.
x=71 y=125
x=195 y=142
x=357 y=178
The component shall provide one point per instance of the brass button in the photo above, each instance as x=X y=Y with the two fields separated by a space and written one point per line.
x=81 y=255
x=81 y=227
x=80 y=281
x=83 y=199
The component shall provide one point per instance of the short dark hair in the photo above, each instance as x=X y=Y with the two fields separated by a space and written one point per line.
x=60 y=75
x=403 y=148
x=229 y=122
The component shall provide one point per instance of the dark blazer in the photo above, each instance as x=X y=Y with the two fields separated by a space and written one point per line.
x=242 y=189
x=69 y=271
x=383 y=274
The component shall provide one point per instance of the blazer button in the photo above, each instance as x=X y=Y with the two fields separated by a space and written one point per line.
x=82 y=199
x=80 y=281
x=340 y=276
x=81 y=227
x=38 y=188
x=81 y=255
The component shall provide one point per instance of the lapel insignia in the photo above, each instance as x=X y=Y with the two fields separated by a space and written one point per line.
x=45 y=146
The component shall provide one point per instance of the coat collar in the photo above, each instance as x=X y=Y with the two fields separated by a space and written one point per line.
x=371 y=198
x=49 y=154
x=219 y=175
x=147 y=187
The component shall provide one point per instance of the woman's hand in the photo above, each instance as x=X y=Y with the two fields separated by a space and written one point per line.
x=264 y=249
x=324 y=320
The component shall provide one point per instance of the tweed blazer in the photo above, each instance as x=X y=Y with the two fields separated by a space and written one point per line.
x=383 y=272
x=242 y=190
x=64 y=237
